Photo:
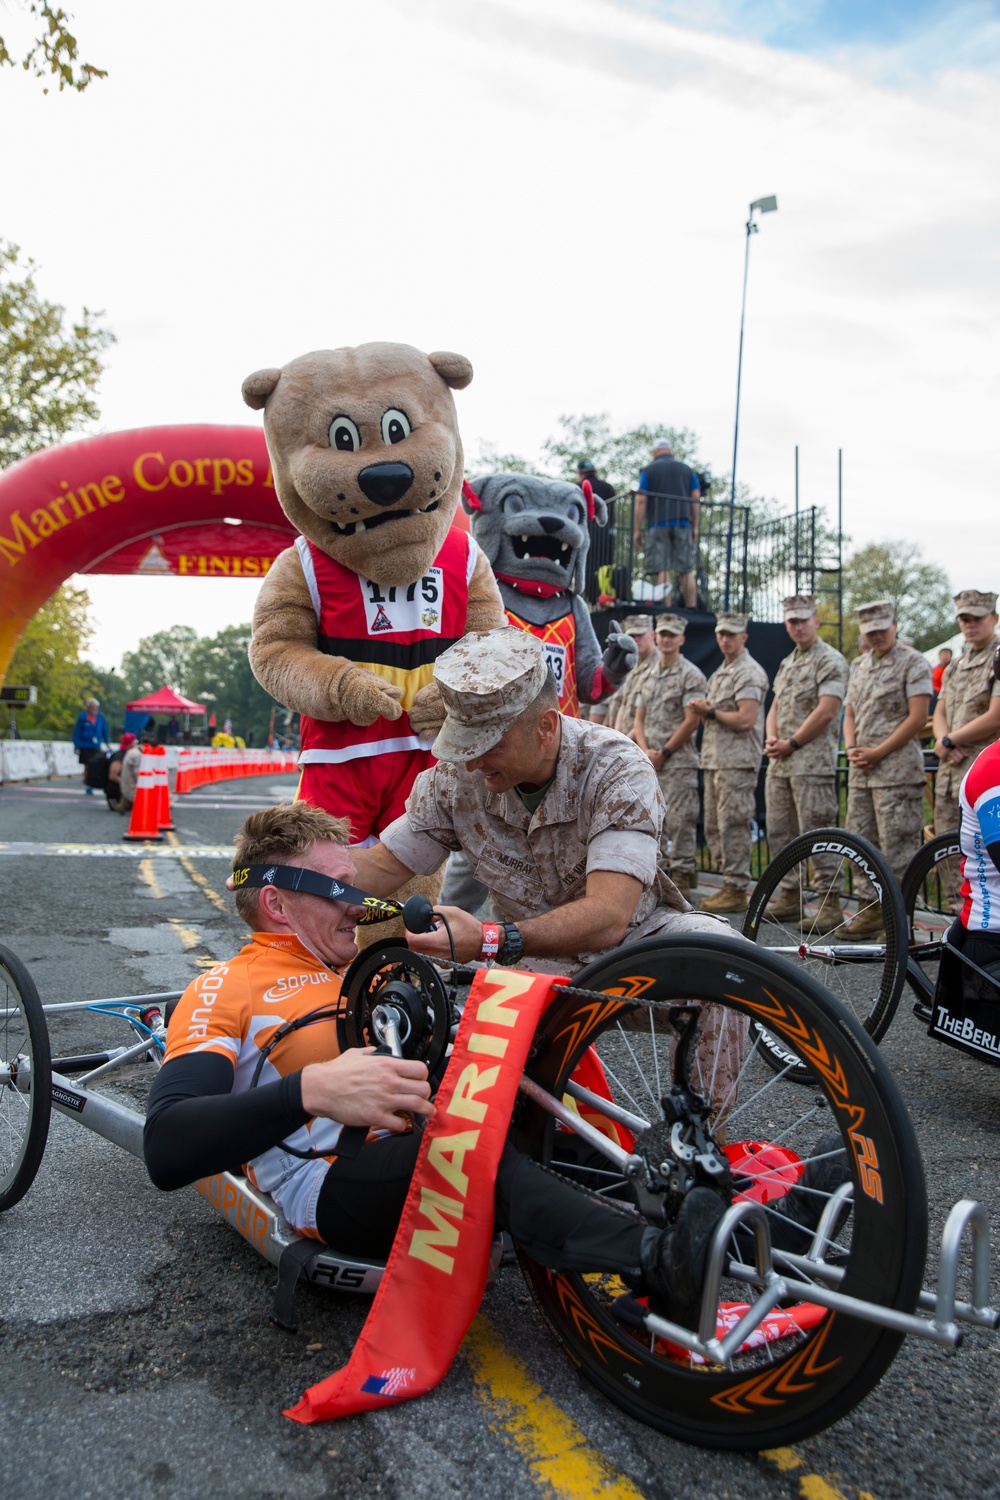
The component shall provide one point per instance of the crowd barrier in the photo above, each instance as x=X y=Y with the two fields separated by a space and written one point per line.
x=197 y=767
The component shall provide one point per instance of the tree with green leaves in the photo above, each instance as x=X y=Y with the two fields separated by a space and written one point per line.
x=48 y=657
x=48 y=372
x=219 y=676
x=160 y=660
x=920 y=591
x=54 y=53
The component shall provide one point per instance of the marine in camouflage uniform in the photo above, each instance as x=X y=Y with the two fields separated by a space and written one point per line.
x=620 y=706
x=665 y=727
x=967 y=716
x=803 y=737
x=888 y=692
x=537 y=844
x=733 y=712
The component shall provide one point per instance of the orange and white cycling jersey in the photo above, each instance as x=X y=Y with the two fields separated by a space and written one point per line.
x=233 y=1010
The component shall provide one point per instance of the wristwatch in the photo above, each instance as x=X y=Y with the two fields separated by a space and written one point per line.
x=947 y=742
x=512 y=947
x=794 y=742
x=666 y=752
x=710 y=714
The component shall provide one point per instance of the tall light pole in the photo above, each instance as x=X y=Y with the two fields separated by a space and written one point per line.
x=763 y=206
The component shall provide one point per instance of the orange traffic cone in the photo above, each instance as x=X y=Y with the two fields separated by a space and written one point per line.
x=143 y=825
x=163 y=817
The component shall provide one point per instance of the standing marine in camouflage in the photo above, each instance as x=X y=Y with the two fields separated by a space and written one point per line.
x=664 y=727
x=888 y=691
x=802 y=737
x=967 y=716
x=733 y=714
x=620 y=706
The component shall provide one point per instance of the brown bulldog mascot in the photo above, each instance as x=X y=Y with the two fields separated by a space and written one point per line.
x=367 y=463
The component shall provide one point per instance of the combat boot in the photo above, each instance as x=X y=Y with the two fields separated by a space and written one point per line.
x=828 y=916
x=684 y=882
x=785 y=907
x=866 y=927
x=729 y=899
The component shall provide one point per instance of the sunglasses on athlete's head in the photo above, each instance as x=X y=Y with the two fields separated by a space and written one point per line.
x=297 y=878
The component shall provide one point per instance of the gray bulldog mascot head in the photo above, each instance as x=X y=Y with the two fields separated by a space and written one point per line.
x=534 y=533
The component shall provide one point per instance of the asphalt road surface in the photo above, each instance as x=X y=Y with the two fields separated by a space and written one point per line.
x=136 y=1354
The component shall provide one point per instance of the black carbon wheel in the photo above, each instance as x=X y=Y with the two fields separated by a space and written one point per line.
x=785 y=1388
x=25 y=1080
x=931 y=887
x=866 y=977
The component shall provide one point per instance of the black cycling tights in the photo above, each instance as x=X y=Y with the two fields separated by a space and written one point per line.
x=557 y=1223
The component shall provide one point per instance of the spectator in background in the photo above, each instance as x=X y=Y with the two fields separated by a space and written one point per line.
x=123 y=774
x=732 y=711
x=90 y=735
x=937 y=673
x=967 y=714
x=601 y=551
x=802 y=740
x=888 y=691
x=174 y=730
x=667 y=514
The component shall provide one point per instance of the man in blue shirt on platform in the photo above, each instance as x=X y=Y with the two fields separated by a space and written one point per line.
x=667 y=510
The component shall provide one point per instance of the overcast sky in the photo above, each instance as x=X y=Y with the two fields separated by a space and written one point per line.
x=557 y=189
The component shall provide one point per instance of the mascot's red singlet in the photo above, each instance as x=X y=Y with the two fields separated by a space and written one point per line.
x=364 y=773
x=559 y=639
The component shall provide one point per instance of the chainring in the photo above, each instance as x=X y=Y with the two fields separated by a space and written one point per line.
x=392 y=974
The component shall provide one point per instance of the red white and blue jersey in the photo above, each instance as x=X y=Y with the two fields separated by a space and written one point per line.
x=395 y=630
x=980 y=803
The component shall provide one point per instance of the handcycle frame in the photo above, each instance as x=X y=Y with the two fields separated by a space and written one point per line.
x=775 y=1275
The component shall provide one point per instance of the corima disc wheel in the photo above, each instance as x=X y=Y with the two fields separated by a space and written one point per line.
x=788 y=1388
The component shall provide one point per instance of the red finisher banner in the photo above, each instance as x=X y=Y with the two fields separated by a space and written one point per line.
x=436 y=1271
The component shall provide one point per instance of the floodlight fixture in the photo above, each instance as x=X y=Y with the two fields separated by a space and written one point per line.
x=765 y=205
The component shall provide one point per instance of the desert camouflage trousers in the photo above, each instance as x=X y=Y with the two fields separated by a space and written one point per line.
x=891 y=818
x=680 y=826
x=947 y=812
x=798 y=804
x=730 y=804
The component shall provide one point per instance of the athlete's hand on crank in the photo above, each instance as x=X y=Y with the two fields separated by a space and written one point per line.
x=359 y=1088
x=467 y=932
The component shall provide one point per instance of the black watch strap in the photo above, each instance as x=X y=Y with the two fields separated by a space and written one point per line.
x=794 y=742
x=666 y=752
x=512 y=947
x=947 y=742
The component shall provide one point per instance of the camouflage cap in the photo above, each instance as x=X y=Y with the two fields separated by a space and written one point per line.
x=876 y=616
x=637 y=624
x=674 y=624
x=975 y=602
x=487 y=680
x=799 y=606
x=732 y=624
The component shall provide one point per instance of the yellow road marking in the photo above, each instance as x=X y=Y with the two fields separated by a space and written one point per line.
x=148 y=875
x=187 y=935
x=208 y=890
x=811 y=1486
x=559 y=1458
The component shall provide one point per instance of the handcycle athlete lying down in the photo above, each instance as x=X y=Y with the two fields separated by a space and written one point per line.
x=204 y=1113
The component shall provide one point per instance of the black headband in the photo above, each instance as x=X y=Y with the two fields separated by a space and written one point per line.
x=295 y=878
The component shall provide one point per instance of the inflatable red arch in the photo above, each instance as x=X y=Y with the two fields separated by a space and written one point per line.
x=154 y=501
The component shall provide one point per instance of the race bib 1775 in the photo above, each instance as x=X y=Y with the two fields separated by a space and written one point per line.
x=392 y=607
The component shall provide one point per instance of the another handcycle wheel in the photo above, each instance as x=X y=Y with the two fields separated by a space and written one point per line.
x=814 y=1365
x=931 y=886
x=866 y=977
x=25 y=1080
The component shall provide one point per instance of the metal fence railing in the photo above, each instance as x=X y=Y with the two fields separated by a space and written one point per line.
x=748 y=560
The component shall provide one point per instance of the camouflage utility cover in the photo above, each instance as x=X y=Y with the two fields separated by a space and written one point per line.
x=665 y=693
x=802 y=680
x=735 y=682
x=878 y=689
x=603 y=811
